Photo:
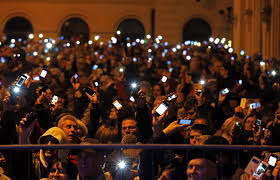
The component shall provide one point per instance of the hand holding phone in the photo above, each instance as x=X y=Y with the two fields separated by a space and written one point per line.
x=185 y=121
x=117 y=104
x=161 y=108
x=255 y=105
x=225 y=91
x=256 y=166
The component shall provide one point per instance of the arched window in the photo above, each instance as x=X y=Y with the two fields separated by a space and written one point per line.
x=197 y=30
x=75 y=28
x=132 y=28
x=18 y=27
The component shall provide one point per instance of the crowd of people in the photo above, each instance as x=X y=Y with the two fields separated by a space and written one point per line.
x=132 y=91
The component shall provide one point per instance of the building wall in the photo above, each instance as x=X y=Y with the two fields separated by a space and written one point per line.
x=104 y=16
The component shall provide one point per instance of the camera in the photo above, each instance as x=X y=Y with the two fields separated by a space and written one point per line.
x=255 y=105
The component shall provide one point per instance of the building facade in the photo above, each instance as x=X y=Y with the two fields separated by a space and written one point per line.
x=169 y=18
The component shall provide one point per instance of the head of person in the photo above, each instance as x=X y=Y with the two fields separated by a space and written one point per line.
x=190 y=107
x=250 y=122
x=82 y=130
x=107 y=134
x=129 y=126
x=158 y=90
x=196 y=131
x=69 y=125
x=90 y=161
x=63 y=170
x=201 y=169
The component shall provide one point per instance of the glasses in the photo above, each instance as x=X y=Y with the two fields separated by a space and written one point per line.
x=192 y=137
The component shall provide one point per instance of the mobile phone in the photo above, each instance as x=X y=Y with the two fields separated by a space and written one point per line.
x=96 y=83
x=240 y=82
x=132 y=99
x=161 y=108
x=43 y=73
x=54 y=99
x=76 y=76
x=36 y=78
x=164 y=79
x=255 y=105
x=258 y=122
x=184 y=52
x=95 y=67
x=21 y=80
x=134 y=59
x=272 y=160
x=117 y=104
x=185 y=121
x=171 y=97
x=89 y=91
x=169 y=62
x=232 y=58
x=257 y=166
x=225 y=91
x=170 y=69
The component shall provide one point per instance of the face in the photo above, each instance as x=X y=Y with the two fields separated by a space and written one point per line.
x=190 y=114
x=70 y=129
x=250 y=123
x=57 y=172
x=113 y=114
x=197 y=169
x=156 y=91
x=129 y=127
x=50 y=153
x=89 y=164
x=49 y=94
x=193 y=136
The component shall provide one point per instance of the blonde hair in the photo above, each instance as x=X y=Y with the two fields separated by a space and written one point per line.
x=66 y=117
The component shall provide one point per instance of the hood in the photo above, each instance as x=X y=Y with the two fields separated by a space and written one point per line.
x=55 y=132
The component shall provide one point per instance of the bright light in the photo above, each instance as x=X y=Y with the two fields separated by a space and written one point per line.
x=160 y=37
x=202 y=82
x=118 y=32
x=174 y=49
x=128 y=45
x=35 y=53
x=41 y=35
x=114 y=40
x=16 y=89
x=46 y=40
x=262 y=63
x=211 y=39
x=189 y=57
x=187 y=42
x=121 y=164
x=229 y=42
x=242 y=52
x=133 y=43
x=230 y=50
x=48 y=58
x=13 y=41
x=101 y=43
x=223 y=40
x=198 y=44
x=138 y=40
x=209 y=47
x=226 y=47
x=166 y=43
x=49 y=45
x=121 y=70
x=142 y=41
x=149 y=50
x=78 y=42
x=148 y=36
x=217 y=40
x=30 y=36
x=134 y=85
x=178 y=46
x=96 y=37
x=273 y=73
x=68 y=44
x=53 y=41
x=90 y=42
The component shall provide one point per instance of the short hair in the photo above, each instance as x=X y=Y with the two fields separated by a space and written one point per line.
x=66 y=117
x=107 y=133
x=191 y=102
x=82 y=127
x=203 y=129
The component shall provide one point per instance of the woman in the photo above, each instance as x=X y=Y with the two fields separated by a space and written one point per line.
x=62 y=170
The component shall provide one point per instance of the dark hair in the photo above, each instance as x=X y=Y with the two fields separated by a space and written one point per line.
x=68 y=166
x=191 y=102
x=162 y=90
x=201 y=127
x=107 y=133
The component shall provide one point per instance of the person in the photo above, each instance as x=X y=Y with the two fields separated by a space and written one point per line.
x=69 y=125
x=90 y=163
x=196 y=131
x=62 y=170
x=201 y=169
x=129 y=126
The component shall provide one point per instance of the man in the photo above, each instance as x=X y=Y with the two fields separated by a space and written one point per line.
x=201 y=169
x=129 y=126
x=69 y=125
x=196 y=131
x=90 y=163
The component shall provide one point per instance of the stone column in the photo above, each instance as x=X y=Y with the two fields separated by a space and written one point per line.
x=275 y=29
